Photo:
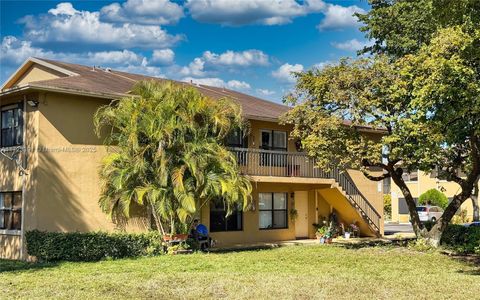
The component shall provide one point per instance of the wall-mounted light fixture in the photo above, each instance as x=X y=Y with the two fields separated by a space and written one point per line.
x=292 y=195
x=33 y=103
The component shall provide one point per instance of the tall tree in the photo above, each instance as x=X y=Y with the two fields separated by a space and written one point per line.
x=400 y=27
x=426 y=104
x=167 y=154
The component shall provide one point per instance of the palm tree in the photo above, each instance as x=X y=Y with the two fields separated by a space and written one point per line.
x=167 y=154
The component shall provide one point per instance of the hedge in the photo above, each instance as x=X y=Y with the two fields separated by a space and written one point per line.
x=91 y=246
x=462 y=239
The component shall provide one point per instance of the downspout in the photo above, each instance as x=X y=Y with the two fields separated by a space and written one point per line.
x=24 y=178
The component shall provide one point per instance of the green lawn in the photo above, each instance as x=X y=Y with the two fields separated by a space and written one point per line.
x=300 y=272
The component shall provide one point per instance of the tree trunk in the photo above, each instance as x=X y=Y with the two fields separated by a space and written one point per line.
x=157 y=220
x=418 y=227
x=435 y=234
x=475 y=204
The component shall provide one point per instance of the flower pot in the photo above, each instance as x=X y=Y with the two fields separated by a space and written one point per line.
x=328 y=240
x=321 y=240
x=347 y=235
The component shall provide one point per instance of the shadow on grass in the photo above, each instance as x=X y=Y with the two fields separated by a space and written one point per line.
x=470 y=272
x=15 y=265
x=242 y=249
x=371 y=244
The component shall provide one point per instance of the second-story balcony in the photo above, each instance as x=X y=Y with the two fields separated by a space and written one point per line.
x=258 y=162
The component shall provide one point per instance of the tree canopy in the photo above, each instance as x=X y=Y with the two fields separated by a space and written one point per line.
x=433 y=197
x=425 y=105
x=400 y=27
x=167 y=153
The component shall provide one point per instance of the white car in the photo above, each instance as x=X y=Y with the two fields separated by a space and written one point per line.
x=429 y=213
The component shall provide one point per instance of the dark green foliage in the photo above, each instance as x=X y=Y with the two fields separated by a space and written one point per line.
x=400 y=27
x=91 y=246
x=462 y=239
x=433 y=197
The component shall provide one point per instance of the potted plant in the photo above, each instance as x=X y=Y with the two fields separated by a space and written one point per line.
x=321 y=233
x=347 y=234
x=354 y=230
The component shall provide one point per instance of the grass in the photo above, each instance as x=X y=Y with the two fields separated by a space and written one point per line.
x=301 y=272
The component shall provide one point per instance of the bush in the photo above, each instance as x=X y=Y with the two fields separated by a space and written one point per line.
x=462 y=239
x=433 y=197
x=91 y=246
x=387 y=206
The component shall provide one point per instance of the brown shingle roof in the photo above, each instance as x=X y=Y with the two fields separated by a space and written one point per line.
x=102 y=81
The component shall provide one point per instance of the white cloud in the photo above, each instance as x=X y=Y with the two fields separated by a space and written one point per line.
x=143 y=69
x=265 y=92
x=238 y=85
x=245 y=58
x=195 y=68
x=351 y=45
x=337 y=17
x=267 y=12
x=163 y=56
x=285 y=72
x=218 y=82
x=13 y=52
x=64 y=8
x=152 y=12
x=124 y=57
x=229 y=59
x=66 y=25
x=271 y=12
x=323 y=64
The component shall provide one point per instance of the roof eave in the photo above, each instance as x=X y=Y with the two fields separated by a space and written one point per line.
x=32 y=86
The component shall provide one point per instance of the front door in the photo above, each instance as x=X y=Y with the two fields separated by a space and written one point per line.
x=301 y=222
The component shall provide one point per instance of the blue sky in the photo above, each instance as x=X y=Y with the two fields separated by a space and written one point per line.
x=247 y=45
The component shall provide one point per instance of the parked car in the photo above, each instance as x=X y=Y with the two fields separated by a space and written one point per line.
x=429 y=213
x=473 y=224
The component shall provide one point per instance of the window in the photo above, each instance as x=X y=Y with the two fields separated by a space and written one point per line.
x=412 y=176
x=272 y=210
x=403 y=207
x=275 y=141
x=237 y=139
x=12 y=125
x=11 y=211
x=219 y=221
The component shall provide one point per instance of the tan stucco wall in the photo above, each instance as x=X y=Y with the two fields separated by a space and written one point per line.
x=69 y=160
x=251 y=232
x=37 y=73
x=9 y=246
x=426 y=182
x=64 y=155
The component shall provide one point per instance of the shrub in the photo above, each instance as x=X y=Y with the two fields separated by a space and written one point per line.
x=91 y=246
x=434 y=197
x=460 y=218
x=387 y=206
x=462 y=239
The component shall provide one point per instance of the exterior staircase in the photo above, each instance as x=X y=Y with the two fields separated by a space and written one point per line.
x=286 y=164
